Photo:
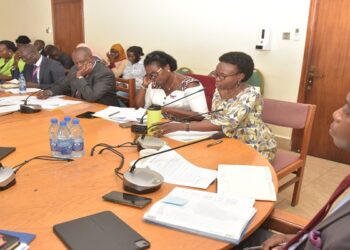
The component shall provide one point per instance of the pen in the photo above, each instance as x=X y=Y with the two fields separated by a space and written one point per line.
x=114 y=113
x=260 y=247
x=214 y=143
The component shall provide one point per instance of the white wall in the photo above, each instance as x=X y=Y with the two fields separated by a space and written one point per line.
x=26 y=17
x=195 y=32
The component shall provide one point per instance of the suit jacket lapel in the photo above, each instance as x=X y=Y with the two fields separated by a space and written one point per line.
x=339 y=213
x=42 y=69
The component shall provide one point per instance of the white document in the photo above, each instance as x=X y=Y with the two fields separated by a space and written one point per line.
x=186 y=136
x=177 y=170
x=217 y=216
x=16 y=91
x=9 y=108
x=246 y=181
x=118 y=114
x=50 y=103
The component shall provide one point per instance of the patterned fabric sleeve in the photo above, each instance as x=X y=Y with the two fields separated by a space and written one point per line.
x=235 y=110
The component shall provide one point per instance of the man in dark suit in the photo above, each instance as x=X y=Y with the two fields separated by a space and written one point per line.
x=39 y=71
x=88 y=80
x=331 y=232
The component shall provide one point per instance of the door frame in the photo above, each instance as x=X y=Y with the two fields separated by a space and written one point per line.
x=297 y=134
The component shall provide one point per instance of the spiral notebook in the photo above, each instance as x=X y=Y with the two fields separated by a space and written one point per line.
x=103 y=231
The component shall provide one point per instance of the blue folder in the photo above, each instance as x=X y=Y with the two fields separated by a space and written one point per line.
x=23 y=237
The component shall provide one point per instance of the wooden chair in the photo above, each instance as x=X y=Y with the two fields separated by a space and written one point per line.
x=284 y=222
x=296 y=116
x=208 y=83
x=127 y=86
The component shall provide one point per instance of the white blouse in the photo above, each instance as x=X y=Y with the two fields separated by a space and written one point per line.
x=135 y=71
x=196 y=102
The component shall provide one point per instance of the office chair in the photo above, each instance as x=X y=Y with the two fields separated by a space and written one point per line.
x=184 y=71
x=127 y=86
x=296 y=116
x=208 y=83
x=257 y=80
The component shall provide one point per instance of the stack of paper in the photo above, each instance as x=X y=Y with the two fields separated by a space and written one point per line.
x=246 y=181
x=213 y=215
x=117 y=114
x=186 y=136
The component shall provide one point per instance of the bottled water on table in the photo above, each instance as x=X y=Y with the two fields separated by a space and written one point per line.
x=77 y=137
x=67 y=119
x=53 y=130
x=64 y=142
x=22 y=85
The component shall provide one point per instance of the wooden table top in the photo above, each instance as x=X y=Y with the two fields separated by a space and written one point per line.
x=48 y=193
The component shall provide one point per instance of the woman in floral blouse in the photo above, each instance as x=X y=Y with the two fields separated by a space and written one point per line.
x=242 y=106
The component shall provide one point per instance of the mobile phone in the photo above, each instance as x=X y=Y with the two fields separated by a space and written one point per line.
x=88 y=115
x=127 y=199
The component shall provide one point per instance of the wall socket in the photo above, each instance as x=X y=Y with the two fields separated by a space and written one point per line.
x=286 y=35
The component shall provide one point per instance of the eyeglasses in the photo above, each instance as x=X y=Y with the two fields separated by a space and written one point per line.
x=222 y=76
x=154 y=75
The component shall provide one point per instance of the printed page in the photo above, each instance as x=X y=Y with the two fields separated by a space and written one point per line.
x=177 y=170
x=186 y=136
x=246 y=181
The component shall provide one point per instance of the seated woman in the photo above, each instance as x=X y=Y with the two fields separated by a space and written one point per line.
x=117 y=59
x=134 y=68
x=162 y=85
x=242 y=107
x=8 y=60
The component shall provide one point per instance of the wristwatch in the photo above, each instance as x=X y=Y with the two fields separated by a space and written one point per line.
x=187 y=126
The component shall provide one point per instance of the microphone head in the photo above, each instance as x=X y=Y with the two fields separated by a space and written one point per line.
x=218 y=136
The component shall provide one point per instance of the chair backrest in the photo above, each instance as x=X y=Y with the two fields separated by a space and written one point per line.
x=208 y=83
x=127 y=86
x=291 y=115
x=257 y=80
x=184 y=71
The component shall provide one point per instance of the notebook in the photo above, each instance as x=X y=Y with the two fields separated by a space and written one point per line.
x=4 y=151
x=103 y=231
x=8 y=242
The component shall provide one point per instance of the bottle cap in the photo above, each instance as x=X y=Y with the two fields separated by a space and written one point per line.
x=63 y=123
x=75 y=121
x=67 y=118
x=54 y=120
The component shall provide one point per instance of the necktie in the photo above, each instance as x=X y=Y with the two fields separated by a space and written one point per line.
x=322 y=213
x=35 y=74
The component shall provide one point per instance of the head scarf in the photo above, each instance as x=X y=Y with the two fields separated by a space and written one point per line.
x=120 y=50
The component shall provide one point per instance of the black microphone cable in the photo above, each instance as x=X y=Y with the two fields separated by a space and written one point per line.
x=105 y=145
x=114 y=151
x=41 y=157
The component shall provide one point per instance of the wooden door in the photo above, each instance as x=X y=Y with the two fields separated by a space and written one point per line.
x=68 y=23
x=325 y=79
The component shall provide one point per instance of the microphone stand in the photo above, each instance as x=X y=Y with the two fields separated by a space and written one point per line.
x=26 y=108
x=145 y=180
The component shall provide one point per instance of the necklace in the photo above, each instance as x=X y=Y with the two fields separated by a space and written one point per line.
x=172 y=83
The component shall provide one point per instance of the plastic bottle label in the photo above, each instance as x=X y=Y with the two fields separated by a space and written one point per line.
x=78 y=145
x=64 y=147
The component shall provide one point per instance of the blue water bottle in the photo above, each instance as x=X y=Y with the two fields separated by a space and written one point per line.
x=53 y=130
x=64 y=143
x=22 y=85
x=77 y=137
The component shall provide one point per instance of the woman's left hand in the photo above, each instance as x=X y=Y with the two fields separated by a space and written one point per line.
x=159 y=130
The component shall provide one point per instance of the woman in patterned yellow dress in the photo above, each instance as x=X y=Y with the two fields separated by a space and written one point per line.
x=242 y=106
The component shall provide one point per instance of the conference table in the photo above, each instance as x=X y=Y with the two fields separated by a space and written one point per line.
x=48 y=193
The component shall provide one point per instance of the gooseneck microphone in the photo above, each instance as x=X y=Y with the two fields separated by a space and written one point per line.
x=8 y=175
x=26 y=108
x=145 y=180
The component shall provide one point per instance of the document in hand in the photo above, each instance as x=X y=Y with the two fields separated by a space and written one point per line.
x=246 y=181
x=209 y=214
